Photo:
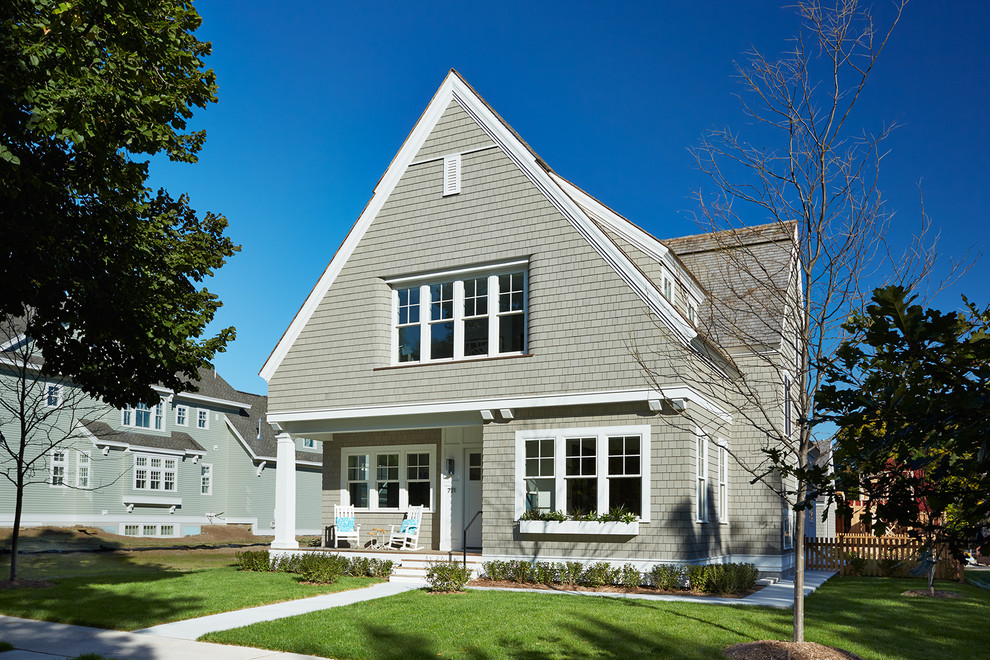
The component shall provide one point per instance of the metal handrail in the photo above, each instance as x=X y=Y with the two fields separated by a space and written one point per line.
x=464 y=538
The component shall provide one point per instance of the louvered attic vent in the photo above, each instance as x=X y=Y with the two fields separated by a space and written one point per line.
x=451 y=174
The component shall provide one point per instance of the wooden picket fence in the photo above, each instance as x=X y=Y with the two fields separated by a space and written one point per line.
x=863 y=554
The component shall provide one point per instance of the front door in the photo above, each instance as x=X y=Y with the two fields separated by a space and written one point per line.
x=472 y=495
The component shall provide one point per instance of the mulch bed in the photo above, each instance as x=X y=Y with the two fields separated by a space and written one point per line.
x=505 y=584
x=776 y=650
x=24 y=584
x=925 y=593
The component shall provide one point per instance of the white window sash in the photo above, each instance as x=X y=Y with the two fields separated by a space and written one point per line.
x=372 y=453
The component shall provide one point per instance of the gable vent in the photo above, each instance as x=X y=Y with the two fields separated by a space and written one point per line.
x=451 y=174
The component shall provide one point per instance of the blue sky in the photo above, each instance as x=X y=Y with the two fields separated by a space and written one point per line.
x=316 y=98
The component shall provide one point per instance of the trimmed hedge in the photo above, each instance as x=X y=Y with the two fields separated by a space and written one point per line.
x=447 y=576
x=320 y=567
x=710 y=578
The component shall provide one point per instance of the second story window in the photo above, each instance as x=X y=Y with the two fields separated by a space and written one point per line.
x=474 y=316
x=144 y=417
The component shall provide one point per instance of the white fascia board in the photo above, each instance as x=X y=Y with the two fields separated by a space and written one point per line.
x=199 y=398
x=256 y=457
x=421 y=131
x=570 y=209
x=536 y=401
x=13 y=343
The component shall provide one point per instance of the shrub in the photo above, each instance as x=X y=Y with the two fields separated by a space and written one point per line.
x=599 y=574
x=322 y=568
x=698 y=577
x=520 y=571
x=447 y=576
x=667 y=577
x=888 y=566
x=497 y=571
x=380 y=568
x=253 y=560
x=722 y=578
x=857 y=564
x=570 y=573
x=630 y=576
x=359 y=567
x=288 y=563
x=545 y=573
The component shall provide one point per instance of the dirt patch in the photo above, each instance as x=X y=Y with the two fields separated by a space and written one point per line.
x=925 y=593
x=776 y=650
x=24 y=584
x=612 y=589
x=69 y=539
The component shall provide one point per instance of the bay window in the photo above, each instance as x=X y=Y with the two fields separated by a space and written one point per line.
x=478 y=314
x=580 y=471
x=388 y=478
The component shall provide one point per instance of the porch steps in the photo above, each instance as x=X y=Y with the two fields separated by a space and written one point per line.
x=412 y=568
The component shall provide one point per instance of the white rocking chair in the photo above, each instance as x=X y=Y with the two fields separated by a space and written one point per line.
x=406 y=537
x=346 y=528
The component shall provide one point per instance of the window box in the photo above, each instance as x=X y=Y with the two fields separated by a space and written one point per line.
x=579 y=527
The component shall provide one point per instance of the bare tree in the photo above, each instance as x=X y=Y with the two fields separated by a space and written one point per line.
x=39 y=423
x=779 y=292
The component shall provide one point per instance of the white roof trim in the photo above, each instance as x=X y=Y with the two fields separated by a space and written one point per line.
x=11 y=343
x=455 y=89
x=256 y=457
x=534 y=401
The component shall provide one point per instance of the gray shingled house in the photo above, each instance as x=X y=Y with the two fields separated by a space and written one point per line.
x=194 y=459
x=477 y=346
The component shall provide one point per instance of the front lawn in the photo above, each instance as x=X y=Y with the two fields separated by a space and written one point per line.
x=981 y=575
x=867 y=616
x=140 y=597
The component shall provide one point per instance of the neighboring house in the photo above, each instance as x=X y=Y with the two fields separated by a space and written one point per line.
x=472 y=348
x=194 y=459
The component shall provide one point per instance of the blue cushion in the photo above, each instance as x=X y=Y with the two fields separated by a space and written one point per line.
x=409 y=526
x=345 y=525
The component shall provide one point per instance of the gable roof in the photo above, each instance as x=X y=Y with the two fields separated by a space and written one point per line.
x=253 y=431
x=748 y=272
x=456 y=89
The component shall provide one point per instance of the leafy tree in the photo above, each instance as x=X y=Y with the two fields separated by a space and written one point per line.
x=110 y=270
x=910 y=393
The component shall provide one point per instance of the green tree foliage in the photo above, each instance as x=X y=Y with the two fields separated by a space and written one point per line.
x=910 y=395
x=111 y=269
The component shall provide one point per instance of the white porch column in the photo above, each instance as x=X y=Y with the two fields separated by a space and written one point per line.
x=285 y=494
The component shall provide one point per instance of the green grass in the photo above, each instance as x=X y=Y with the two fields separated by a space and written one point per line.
x=867 y=616
x=6 y=646
x=143 y=596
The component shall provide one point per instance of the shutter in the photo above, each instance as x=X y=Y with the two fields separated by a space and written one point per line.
x=451 y=174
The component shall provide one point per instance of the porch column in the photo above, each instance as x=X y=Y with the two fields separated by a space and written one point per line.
x=285 y=494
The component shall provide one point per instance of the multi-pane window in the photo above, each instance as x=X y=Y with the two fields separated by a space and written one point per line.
x=357 y=480
x=723 y=484
x=202 y=419
x=701 y=456
x=580 y=471
x=132 y=530
x=309 y=443
x=144 y=417
x=53 y=395
x=156 y=473
x=418 y=479
x=182 y=416
x=787 y=407
x=539 y=471
x=480 y=316
x=788 y=523
x=206 y=479
x=392 y=478
x=624 y=478
x=58 y=465
x=668 y=289
x=82 y=470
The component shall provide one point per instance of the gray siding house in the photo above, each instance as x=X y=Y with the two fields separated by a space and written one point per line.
x=494 y=344
x=166 y=470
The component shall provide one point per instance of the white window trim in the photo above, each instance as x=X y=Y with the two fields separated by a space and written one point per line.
x=128 y=417
x=59 y=395
x=204 y=466
x=723 y=482
x=787 y=533
x=788 y=407
x=88 y=464
x=185 y=409
x=701 y=443
x=206 y=416
x=308 y=443
x=147 y=469
x=458 y=278
x=64 y=464
x=601 y=433
x=402 y=451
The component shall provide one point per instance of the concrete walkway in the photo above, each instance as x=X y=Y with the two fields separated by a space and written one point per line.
x=779 y=594
x=194 y=628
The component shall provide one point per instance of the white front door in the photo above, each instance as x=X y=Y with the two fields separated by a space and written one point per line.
x=472 y=494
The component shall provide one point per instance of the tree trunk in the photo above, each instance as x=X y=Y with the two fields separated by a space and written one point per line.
x=15 y=533
x=799 y=574
x=931 y=574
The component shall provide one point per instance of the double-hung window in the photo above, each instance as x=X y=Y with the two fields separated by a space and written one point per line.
x=580 y=471
x=701 y=457
x=723 y=483
x=53 y=395
x=205 y=479
x=144 y=416
x=202 y=419
x=59 y=462
x=182 y=415
x=155 y=472
x=388 y=478
x=82 y=469
x=469 y=314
